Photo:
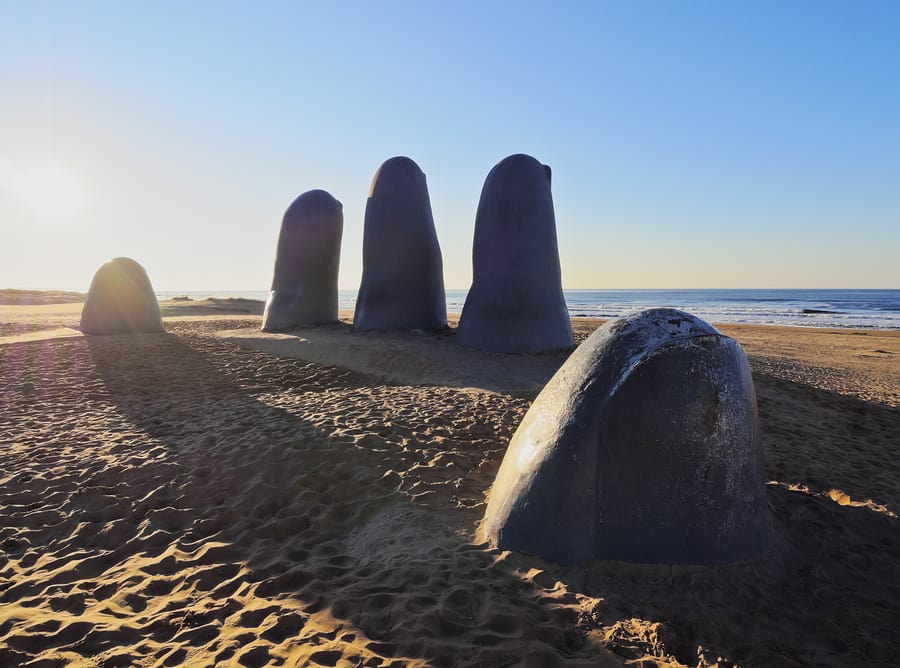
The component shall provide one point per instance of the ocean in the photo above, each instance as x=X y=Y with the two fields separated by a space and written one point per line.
x=857 y=309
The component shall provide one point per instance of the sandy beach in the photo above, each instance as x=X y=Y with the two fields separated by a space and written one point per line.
x=219 y=496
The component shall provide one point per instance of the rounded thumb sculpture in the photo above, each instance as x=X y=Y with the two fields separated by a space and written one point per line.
x=121 y=300
x=304 y=286
x=516 y=303
x=644 y=447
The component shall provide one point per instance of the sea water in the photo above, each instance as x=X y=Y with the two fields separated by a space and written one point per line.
x=857 y=309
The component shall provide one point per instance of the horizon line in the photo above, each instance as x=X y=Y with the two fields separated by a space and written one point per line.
x=678 y=289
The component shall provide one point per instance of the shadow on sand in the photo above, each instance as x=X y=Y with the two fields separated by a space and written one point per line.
x=281 y=496
x=301 y=501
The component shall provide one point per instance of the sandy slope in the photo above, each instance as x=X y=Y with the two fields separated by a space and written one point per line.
x=170 y=499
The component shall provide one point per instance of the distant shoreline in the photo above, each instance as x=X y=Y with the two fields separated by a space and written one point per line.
x=833 y=309
x=12 y=297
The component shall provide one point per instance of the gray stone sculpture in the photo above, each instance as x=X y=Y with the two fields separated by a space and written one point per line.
x=403 y=281
x=515 y=304
x=121 y=300
x=304 y=286
x=644 y=447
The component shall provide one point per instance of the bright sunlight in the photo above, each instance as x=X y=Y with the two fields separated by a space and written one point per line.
x=45 y=191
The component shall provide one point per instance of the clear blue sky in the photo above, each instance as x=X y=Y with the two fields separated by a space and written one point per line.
x=693 y=144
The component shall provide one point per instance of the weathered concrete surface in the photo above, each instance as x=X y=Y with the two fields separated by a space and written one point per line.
x=516 y=303
x=120 y=300
x=304 y=286
x=402 y=284
x=644 y=447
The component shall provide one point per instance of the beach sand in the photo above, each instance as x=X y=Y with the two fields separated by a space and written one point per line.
x=216 y=495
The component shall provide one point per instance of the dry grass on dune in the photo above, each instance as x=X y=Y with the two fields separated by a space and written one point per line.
x=169 y=499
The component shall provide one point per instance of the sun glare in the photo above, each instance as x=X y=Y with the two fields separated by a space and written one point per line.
x=47 y=192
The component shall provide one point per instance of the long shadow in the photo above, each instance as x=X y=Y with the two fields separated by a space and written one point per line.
x=827 y=572
x=409 y=357
x=201 y=491
x=814 y=598
x=825 y=440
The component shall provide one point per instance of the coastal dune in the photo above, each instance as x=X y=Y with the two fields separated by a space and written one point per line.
x=220 y=495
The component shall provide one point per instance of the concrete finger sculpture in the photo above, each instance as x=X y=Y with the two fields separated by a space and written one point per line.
x=304 y=286
x=402 y=283
x=644 y=447
x=516 y=303
x=121 y=300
